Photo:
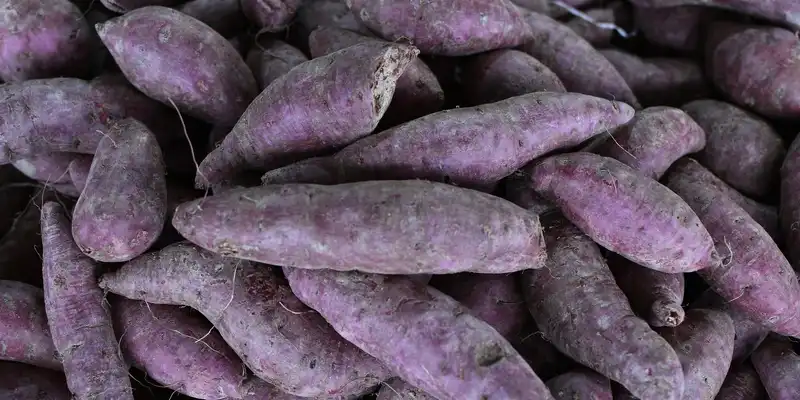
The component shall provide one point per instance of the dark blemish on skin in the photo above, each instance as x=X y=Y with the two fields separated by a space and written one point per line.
x=489 y=355
x=313 y=364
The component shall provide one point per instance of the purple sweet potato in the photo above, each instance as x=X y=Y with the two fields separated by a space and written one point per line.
x=778 y=366
x=659 y=81
x=678 y=28
x=771 y=88
x=789 y=208
x=653 y=140
x=347 y=93
x=123 y=206
x=704 y=344
x=581 y=383
x=25 y=336
x=42 y=39
x=580 y=309
x=749 y=334
x=581 y=68
x=474 y=147
x=741 y=148
x=270 y=15
x=625 y=212
x=79 y=321
x=316 y=13
x=500 y=74
x=430 y=340
x=123 y=6
x=173 y=57
x=742 y=383
x=654 y=296
x=25 y=382
x=375 y=226
x=51 y=168
x=447 y=28
x=753 y=276
x=398 y=389
x=786 y=12
x=223 y=16
x=271 y=58
x=78 y=170
x=249 y=304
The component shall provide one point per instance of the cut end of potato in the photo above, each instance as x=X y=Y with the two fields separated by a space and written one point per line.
x=394 y=62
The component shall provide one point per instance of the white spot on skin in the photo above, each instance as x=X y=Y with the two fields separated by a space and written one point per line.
x=484 y=19
x=25 y=167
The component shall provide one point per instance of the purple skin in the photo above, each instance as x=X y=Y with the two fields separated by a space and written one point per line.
x=248 y=303
x=25 y=382
x=749 y=334
x=741 y=148
x=25 y=336
x=582 y=383
x=785 y=12
x=738 y=68
x=223 y=16
x=595 y=35
x=313 y=14
x=271 y=58
x=625 y=212
x=386 y=227
x=655 y=138
x=580 y=309
x=417 y=92
x=270 y=15
x=50 y=168
x=79 y=171
x=398 y=389
x=79 y=321
x=742 y=383
x=172 y=57
x=704 y=344
x=506 y=73
x=790 y=209
x=677 y=28
x=123 y=206
x=475 y=147
x=581 y=68
x=123 y=6
x=430 y=340
x=21 y=246
x=654 y=296
x=42 y=39
x=446 y=28
x=754 y=276
x=778 y=366
x=319 y=170
x=336 y=100
x=659 y=81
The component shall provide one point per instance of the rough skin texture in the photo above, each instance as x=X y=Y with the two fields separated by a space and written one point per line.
x=223 y=16
x=653 y=140
x=42 y=39
x=25 y=336
x=78 y=171
x=749 y=334
x=270 y=15
x=677 y=28
x=173 y=57
x=625 y=212
x=580 y=309
x=659 y=81
x=398 y=389
x=753 y=276
x=778 y=366
x=271 y=58
x=742 y=383
x=25 y=382
x=789 y=207
x=741 y=148
x=654 y=296
x=580 y=384
x=704 y=344
x=388 y=227
x=581 y=68
x=446 y=28
x=80 y=323
x=417 y=92
x=427 y=338
x=51 y=168
x=782 y=11
x=123 y=206
x=500 y=74
x=472 y=147
x=123 y=6
x=335 y=100
x=297 y=352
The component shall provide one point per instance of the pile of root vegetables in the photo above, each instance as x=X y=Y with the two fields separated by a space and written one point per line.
x=399 y=199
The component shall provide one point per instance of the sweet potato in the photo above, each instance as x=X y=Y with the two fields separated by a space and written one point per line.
x=223 y=16
x=43 y=39
x=742 y=383
x=737 y=67
x=272 y=15
x=625 y=212
x=123 y=6
x=704 y=344
x=297 y=351
x=316 y=13
x=749 y=334
x=78 y=170
x=271 y=58
x=80 y=323
x=678 y=28
x=580 y=309
x=398 y=389
x=372 y=226
x=654 y=296
x=753 y=276
x=471 y=147
x=655 y=138
x=789 y=208
x=123 y=206
x=464 y=358
x=660 y=80
x=500 y=74
x=741 y=148
x=778 y=366
x=173 y=57
x=581 y=68
x=346 y=92
x=582 y=383
x=447 y=28
x=51 y=168
x=25 y=382
x=786 y=12
x=518 y=190
x=25 y=336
